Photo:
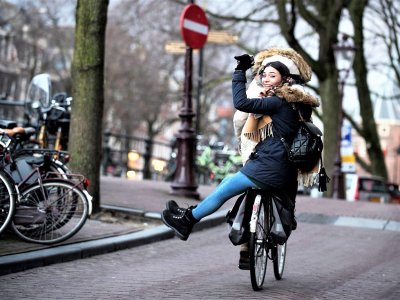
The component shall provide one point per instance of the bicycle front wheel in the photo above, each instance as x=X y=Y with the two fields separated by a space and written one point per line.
x=51 y=212
x=279 y=256
x=258 y=249
x=7 y=202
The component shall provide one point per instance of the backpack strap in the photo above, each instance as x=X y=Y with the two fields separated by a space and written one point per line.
x=323 y=179
x=287 y=147
x=285 y=144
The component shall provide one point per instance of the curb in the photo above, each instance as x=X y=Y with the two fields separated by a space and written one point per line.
x=39 y=258
x=63 y=253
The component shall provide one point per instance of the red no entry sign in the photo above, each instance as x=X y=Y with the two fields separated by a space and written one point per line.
x=194 y=26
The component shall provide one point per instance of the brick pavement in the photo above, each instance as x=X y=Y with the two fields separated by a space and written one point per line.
x=323 y=262
x=150 y=197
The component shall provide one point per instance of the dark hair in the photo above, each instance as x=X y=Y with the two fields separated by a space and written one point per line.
x=280 y=67
x=284 y=71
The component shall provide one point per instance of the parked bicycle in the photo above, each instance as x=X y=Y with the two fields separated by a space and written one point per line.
x=44 y=207
x=24 y=153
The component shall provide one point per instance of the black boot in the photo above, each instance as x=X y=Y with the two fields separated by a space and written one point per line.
x=181 y=223
x=173 y=207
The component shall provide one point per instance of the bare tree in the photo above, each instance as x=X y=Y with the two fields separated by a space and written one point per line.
x=387 y=12
x=142 y=92
x=88 y=79
x=41 y=23
x=368 y=129
x=61 y=38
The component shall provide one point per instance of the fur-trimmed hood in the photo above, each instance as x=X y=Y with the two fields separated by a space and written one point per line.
x=291 y=93
x=297 y=94
x=304 y=69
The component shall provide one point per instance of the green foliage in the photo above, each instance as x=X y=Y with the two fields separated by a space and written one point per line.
x=206 y=163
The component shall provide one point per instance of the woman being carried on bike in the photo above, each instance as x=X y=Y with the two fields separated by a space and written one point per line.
x=279 y=71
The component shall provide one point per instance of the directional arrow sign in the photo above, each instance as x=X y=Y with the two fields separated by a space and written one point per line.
x=194 y=26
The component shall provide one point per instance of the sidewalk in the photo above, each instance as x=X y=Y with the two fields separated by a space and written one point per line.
x=146 y=199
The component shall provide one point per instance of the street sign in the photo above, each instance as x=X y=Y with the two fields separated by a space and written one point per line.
x=346 y=150
x=194 y=26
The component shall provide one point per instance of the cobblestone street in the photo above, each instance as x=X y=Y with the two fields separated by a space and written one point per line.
x=323 y=262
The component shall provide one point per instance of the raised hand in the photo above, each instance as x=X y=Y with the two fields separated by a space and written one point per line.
x=244 y=62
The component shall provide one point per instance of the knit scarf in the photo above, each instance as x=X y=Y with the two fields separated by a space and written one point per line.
x=259 y=129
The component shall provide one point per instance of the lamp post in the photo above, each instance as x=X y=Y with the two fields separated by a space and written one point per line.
x=344 y=56
x=184 y=182
x=194 y=30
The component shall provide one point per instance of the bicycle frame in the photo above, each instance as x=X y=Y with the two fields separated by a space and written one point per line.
x=77 y=179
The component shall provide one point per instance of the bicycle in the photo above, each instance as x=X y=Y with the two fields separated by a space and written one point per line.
x=22 y=156
x=262 y=244
x=49 y=209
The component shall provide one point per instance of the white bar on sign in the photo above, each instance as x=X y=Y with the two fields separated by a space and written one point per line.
x=196 y=27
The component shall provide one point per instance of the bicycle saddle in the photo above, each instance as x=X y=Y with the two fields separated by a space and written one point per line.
x=18 y=130
x=7 y=124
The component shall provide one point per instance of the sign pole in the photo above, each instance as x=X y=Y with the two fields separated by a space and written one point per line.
x=184 y=183
x=194 y=30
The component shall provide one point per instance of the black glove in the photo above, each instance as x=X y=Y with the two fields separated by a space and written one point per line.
x=244 y=62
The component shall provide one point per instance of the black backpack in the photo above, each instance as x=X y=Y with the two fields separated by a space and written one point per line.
x=306 y=150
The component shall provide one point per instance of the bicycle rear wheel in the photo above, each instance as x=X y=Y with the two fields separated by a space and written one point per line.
x=258 y=249
x=51 y=212
x=279 y=257
x=7 y=202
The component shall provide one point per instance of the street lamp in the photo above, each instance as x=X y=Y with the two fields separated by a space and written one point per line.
x=344 y=52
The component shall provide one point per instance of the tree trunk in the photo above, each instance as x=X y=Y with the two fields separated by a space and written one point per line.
x=88 y=98
x=330 y=98
x=323 y=67
x=369 y=131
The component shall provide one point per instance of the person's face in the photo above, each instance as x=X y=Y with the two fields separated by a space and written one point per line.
x=270 y=77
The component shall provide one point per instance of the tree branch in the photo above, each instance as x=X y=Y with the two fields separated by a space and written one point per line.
x=288 y=27
x=367 y=167
x=312 y=19
x=353 y=124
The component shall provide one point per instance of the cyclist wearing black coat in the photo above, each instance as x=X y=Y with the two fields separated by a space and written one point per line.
x=269 y=166
x=280 y=71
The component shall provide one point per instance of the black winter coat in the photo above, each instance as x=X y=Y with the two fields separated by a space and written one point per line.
x=269 y=166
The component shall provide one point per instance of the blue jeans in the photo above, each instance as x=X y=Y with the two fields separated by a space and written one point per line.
x=229 y=187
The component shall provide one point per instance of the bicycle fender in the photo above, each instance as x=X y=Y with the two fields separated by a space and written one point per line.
x=253 y=220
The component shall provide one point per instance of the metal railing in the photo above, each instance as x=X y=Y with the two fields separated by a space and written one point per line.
x=12 y=110
x=123 y=155
x=135 y=157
